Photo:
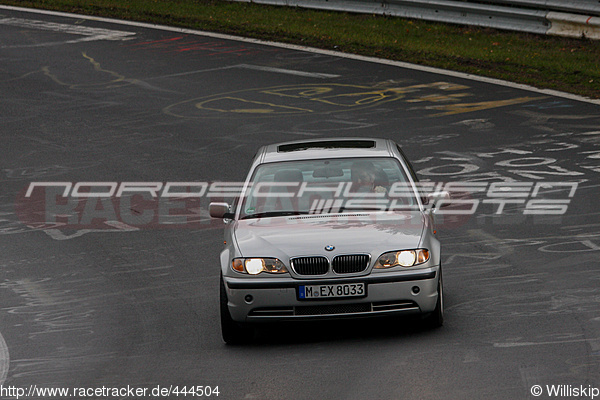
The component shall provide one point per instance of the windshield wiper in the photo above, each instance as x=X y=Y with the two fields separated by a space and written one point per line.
x=357 y=209
x=274 y=214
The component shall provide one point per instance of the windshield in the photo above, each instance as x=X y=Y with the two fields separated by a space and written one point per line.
x=327 y=186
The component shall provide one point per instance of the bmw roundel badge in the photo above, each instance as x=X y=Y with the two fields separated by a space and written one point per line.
x=329 y=247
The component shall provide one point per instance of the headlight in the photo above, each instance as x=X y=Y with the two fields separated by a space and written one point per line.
x=403 y=258
x=255 y=266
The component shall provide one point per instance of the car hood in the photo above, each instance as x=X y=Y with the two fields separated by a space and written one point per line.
x=368 y=233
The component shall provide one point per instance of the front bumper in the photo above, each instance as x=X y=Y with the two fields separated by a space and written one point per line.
x=388 y=293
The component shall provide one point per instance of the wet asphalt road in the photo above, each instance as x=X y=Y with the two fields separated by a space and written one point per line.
x=108 y=300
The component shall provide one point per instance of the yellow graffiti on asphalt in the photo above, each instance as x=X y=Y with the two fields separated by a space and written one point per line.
x=368 y=97
x=439 y=98
x=342 y=100
x=300 y=99
x=107 y=78
x=306 y=98
x=97 y=67
x=329 y=98
x=243 y=106
x=451 y=109
x=314 y=99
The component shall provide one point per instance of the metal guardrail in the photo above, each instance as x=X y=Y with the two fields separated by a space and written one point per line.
x=571 y=18
x=584 y=7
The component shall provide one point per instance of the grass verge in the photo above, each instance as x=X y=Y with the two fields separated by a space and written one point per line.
x=569 y=65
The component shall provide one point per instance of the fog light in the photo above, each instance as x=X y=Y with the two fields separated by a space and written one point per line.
x=416 y=289
x=248 y=299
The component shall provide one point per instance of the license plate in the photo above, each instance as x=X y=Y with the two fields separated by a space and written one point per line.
x=336 y=291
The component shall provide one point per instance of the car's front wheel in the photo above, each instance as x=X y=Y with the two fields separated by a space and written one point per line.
x=233 y=332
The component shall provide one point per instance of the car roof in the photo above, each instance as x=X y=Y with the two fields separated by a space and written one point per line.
x=325 y=148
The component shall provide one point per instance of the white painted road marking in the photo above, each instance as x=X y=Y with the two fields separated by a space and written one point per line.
x=319 y=75
x=88 y=33
x=591 y=341
x=288 y=71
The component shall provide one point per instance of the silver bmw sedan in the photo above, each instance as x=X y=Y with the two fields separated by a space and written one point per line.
x=325 y=229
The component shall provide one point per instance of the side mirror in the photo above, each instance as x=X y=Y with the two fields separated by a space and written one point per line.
x=435 y=197
x=220 y=210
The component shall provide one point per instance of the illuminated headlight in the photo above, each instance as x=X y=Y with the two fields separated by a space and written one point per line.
x=255 y=266
x=403 y=258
